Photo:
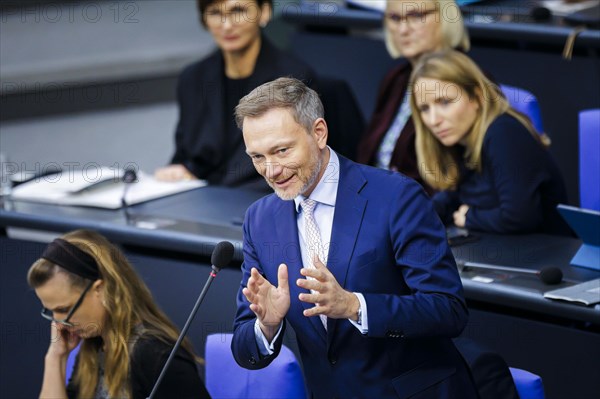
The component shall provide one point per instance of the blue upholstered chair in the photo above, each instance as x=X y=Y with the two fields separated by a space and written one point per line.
x=225 y=379
x=589 y=159
x=529 y=385
x=71 y=362
x=526 y=103
x=492 y=376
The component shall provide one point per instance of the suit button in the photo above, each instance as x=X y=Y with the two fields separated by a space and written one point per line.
x=252 y=360
x=332 y=360
x=394 y=334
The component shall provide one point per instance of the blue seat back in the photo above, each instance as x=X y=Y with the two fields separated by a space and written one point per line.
x=529 y=385
x=225 y=379
x=71 y=362
x=589 y=159
x=526 y=103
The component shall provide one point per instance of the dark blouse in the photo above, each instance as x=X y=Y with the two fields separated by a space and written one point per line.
x=149 y=355
x=517 y=189
x=404 y=157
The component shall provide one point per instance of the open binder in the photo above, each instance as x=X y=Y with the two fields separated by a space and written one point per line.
x=100 y=188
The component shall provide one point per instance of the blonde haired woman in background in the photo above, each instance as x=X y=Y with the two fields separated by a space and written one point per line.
x=412 y=29
x=93 y=296
x=493 y=169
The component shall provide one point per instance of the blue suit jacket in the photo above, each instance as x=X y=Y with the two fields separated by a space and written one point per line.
x=388 y=244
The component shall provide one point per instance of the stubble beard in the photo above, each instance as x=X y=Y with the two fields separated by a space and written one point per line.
x=314 y=174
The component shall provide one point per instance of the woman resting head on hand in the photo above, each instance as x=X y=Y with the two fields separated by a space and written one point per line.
x=93 y=297
x=493 y=169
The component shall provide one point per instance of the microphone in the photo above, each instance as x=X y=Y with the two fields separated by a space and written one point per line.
x=129 y=176
x=540 y=14
x=220 y=258
x=549 y=275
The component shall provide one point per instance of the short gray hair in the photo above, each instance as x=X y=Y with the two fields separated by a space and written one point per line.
x=287 y=93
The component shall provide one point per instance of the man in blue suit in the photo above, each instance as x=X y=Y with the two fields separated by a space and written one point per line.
x=354 y=258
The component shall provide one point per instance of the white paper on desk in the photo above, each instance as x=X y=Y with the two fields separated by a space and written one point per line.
x=378 y=5
x=587 y=293
x=102 y=190
x=560 y=8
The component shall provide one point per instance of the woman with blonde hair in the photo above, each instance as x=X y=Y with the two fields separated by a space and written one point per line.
x=494 y=172
x=412 y=29
x=93 y=297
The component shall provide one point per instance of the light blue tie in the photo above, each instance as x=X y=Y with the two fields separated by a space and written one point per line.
x=313 y=239
x=313 y=236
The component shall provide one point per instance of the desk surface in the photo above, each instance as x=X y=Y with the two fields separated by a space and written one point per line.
x=484 y=26
x=195 y=221
x=191 y=222
x=525 y=291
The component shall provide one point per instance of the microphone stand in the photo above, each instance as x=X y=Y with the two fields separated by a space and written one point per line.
x=548 y=275
x=209 y=281
x=128 y=177
x=477 y=265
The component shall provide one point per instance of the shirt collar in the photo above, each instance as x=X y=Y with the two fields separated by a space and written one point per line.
x=326 y=190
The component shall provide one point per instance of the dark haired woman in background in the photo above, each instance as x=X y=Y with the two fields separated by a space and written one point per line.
x=208 y=143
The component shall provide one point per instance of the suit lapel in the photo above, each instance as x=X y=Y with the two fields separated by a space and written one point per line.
x=349 y=211
x=287 y=235
x=213 y=79
x=212 y=95
x=263 y=70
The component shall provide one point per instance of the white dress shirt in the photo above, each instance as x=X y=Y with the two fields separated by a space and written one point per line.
x=325 y=194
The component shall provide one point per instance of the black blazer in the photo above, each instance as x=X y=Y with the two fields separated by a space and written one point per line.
x=200 y=139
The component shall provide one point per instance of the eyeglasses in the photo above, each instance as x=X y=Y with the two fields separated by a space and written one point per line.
x=237 y=15
x=411 y=18
x=47 y=313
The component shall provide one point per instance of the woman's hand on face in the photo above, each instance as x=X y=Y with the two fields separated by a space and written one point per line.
x=62 y=341
x=460 y=216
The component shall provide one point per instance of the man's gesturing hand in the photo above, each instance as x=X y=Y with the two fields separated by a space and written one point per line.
x=330 y=299
x=269 y=303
